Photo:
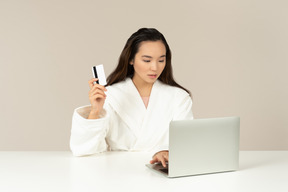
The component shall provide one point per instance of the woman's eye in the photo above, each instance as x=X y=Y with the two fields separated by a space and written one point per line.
x=161 y=61
x=147 y=61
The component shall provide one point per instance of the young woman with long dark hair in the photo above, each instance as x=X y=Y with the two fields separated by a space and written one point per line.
x=134 y=110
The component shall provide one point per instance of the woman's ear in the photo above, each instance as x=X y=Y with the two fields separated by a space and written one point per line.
x=132 y=62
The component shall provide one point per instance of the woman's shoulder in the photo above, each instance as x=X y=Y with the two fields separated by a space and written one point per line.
x=119 y=85
x=172 y=90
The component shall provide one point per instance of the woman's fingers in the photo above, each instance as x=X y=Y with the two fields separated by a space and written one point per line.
x=162 y=156
x=163 y=162
x=95 y=86
x=95 y=97
x=96 y=91
x=153 y=161
x=91 y=82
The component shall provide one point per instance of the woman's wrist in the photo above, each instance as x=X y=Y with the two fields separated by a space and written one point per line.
x=94 y=114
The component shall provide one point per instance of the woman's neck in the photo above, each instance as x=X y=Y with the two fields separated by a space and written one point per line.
x=143 y=88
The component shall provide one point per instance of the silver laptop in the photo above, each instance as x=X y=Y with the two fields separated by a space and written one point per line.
x=202 y=146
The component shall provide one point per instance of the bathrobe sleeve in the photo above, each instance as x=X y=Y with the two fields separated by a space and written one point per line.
x=88 y=135
x=183 y=107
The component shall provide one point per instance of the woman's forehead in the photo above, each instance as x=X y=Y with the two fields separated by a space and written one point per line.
x=152 y=48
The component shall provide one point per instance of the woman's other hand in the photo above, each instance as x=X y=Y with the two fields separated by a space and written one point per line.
x=97 y=98
x=161 y=156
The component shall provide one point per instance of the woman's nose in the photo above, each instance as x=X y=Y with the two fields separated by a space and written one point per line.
x=153 y=66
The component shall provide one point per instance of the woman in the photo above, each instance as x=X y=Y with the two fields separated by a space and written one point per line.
x=133 y=112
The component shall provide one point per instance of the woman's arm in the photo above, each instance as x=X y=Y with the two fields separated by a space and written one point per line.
x=88 y=135
x=88 y=128
x=97 y=98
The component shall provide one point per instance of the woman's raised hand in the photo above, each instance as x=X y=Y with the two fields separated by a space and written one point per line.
x=97 y=98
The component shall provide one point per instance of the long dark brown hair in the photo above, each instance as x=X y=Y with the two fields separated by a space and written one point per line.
x=124 y=69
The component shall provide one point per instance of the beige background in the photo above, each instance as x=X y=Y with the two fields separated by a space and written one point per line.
x=232 y=55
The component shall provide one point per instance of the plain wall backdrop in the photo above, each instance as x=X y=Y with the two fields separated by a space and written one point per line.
x=231 y=54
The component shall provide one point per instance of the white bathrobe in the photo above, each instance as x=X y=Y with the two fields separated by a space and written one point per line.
x=126 y=124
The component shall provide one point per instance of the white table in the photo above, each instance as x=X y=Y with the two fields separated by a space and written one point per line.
x=264 y=171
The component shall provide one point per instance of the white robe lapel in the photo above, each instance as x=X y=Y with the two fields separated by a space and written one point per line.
x=147 y=125
x=127 y=102
x=154 y=126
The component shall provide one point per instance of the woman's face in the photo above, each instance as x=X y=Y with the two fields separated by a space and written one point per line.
x=149 y=62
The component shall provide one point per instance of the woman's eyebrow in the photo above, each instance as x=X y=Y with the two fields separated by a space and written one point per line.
x=146 y=56
x=151 y=57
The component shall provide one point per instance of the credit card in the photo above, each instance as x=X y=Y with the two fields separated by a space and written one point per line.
x=98 y=72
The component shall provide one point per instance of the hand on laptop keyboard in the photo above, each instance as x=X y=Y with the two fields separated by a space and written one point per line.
x=161 y=156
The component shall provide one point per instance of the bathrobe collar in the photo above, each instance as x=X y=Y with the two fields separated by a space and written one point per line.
x=127 y=102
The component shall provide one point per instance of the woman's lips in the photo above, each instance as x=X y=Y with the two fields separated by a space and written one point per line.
x=152 y=76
